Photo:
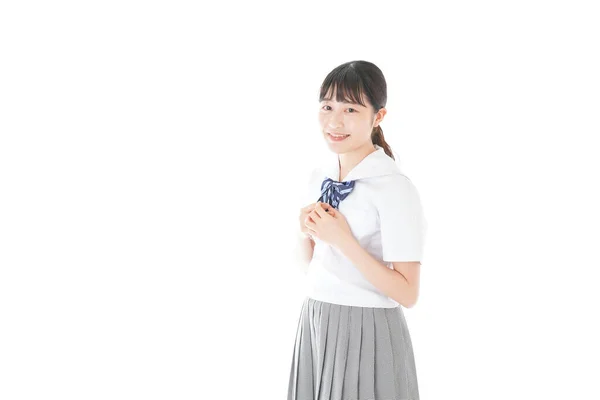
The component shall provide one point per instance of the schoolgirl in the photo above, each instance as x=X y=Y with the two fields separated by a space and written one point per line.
x=363 y=238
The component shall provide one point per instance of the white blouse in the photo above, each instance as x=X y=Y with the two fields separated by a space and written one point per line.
x=385 y=215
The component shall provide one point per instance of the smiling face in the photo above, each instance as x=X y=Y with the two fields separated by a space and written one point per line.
x=347 y=125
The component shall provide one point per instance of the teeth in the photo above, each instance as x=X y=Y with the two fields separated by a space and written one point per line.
x=338 y=136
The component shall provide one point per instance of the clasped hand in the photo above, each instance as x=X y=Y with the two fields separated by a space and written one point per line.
x=323 y=221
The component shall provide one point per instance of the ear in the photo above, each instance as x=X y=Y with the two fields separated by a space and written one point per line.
x=379 y=116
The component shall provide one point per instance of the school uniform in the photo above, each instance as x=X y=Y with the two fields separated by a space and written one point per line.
x=352 y=341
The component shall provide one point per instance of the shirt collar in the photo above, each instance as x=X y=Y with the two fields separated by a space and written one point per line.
x=377 y=163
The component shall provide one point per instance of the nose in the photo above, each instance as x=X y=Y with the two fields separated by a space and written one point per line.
x=335 y=121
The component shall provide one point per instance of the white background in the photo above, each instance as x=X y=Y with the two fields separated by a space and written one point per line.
x=151 y=155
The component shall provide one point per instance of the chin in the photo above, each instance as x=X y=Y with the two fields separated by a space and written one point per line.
x=339 y=149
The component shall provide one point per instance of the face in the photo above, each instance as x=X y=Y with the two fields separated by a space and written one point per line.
x=354 y=121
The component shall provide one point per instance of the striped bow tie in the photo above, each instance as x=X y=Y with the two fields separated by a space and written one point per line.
x=333 y=192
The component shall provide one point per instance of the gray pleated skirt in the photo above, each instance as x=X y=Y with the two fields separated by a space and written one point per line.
x=352 y=353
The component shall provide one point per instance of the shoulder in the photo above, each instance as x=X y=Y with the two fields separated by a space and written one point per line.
x=392 y=184
x=391 y=191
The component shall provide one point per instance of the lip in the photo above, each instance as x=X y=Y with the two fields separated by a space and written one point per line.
x=337 y=133
x=336 y=139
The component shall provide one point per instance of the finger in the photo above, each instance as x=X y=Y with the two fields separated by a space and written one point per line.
x=309 y=207
x=310 y=222
x=320 y=210
x=304 y=213
x=331 y=210
x=310 y=225
x=307 y=232
x=314 y=215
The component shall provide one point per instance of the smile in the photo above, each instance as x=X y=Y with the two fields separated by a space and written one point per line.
x=336 y=138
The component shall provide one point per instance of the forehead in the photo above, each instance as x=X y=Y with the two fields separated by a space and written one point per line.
x=345 y=96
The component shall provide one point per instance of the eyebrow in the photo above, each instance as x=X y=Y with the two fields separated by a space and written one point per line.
x=344 y=102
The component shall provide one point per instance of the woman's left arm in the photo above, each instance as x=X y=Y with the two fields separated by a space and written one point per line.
x=400 y=283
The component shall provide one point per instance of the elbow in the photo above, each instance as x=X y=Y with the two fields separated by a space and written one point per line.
x=410 y=304
x=405 y=302
x=414 y=299
x=409 y=301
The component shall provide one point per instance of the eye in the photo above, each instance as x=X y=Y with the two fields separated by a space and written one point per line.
x=325 y=107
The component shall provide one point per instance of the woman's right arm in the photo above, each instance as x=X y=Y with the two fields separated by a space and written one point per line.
x=305 y=243
x=305 y=248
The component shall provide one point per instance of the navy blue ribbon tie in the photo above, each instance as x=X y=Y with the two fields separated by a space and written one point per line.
x=333 y=192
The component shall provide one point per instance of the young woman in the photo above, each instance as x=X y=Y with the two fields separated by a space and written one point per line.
x=363 y=239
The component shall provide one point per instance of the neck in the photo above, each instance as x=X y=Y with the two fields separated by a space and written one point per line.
x=347 y=161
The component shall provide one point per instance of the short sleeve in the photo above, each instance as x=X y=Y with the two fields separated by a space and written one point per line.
x=402 y=221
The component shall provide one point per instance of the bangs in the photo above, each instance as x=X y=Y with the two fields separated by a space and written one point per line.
x=346 y=84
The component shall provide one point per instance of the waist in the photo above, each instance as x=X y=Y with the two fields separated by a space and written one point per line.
x=327 y=286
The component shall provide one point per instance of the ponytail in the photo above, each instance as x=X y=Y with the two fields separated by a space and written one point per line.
x=378 y=139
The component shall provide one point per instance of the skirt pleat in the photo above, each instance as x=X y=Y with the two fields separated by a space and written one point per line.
x=352 y=353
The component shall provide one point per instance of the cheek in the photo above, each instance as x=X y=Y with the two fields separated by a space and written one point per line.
x=362 y=128
x=322 y=120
